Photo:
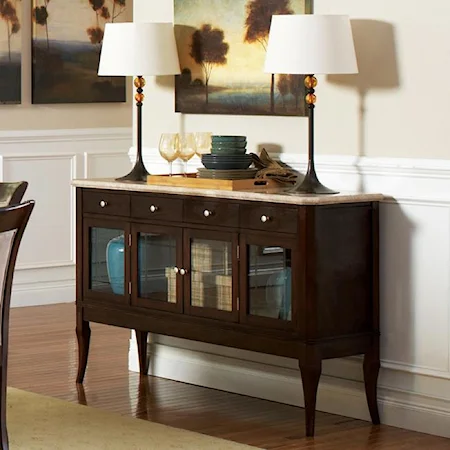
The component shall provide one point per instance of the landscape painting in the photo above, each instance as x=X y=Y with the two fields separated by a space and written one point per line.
x=222 y=46
x=10 y=52
x=66 y=44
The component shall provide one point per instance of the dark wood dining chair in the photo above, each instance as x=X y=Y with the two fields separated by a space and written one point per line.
x=11 y=193
x=13 y=221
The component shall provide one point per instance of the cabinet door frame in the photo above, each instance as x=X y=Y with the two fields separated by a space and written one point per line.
x=89 y=223
x=212 y=313
x=177 y=234
x=297 y=279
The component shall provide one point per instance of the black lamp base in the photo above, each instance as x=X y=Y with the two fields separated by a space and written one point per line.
x=138 y=173
x=311 y=185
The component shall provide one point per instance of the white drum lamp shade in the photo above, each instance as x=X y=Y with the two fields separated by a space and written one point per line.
x=139 y=49
x=310 y=44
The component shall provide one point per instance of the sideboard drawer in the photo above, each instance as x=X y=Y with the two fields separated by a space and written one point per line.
x=269 y=218
x=106 y=202
x=155 y=207
x=211 y=213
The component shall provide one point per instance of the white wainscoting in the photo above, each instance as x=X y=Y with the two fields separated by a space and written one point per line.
x=414 y=384
x=49 y=160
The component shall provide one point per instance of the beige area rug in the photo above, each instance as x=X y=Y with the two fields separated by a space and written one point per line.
x=36 y=422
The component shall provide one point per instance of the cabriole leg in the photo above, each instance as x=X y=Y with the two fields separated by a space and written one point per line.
x=141 y=339
x=371 y=368
x=311 y=369
x=83 y=331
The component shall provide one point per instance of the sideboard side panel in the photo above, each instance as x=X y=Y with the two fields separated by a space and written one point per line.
x=343 y=285
x=79 y=245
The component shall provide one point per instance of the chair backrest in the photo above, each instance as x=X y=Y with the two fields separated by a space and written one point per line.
x=13 y=221
x=11 y=193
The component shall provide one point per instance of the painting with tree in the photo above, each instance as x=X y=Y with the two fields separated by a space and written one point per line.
x=10 y=51
x=66 y=44
x=221 y=46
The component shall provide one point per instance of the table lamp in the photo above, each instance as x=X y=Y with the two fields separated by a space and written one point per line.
x=138 y=49
x=310 y=44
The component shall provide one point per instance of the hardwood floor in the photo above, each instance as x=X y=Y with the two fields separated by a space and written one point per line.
x=43 y=359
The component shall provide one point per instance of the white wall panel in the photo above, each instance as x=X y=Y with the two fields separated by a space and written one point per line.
x=48 y=240
x=414 y=275
x=103 y=165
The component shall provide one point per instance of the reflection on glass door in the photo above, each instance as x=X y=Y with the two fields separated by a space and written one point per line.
x=211 y=274
x=106 y=260
x=156 y=264
x=269 y=282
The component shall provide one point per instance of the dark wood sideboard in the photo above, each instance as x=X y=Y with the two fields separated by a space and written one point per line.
x=284 y=275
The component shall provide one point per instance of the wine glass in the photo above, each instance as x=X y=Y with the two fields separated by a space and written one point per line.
x=203 y=143
x=169 y=148
x=187 y=149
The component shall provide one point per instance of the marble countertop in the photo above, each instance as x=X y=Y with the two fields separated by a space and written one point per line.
x=267 y=195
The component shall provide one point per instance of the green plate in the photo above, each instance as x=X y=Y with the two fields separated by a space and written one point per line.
x=228 y=138
x=226 y=165
x=222 y=157
x=228 y=151
x=226 y=174
x=228 y=144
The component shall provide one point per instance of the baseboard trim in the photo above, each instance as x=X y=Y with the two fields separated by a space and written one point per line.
x=280 y=384
x=43 y=293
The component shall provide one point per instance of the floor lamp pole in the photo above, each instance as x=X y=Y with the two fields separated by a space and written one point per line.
x=139 y=172
x=311 y=184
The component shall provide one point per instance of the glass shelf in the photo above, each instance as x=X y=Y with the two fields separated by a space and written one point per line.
x=211 y=274
x=106 y=260
x=156 y=261
x=269 y=282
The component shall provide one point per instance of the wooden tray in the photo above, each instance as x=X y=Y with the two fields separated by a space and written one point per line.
x=191 y=180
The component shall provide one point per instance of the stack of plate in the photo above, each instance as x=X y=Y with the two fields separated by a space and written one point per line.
x=228 y=145
x=226 y=162
x=236 y=174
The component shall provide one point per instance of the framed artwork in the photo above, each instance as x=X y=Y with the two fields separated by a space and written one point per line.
x=66 y=43
x=10 y=52
x=222 y=46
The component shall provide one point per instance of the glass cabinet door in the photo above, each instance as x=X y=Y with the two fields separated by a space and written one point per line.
x=211 y=276
x=106 y=260
x=267 y=284
x=156 y=262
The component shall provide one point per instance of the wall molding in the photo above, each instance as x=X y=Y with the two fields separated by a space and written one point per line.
x=42 y=293
x=39 y=285
x=405 y=179
x=66 y=135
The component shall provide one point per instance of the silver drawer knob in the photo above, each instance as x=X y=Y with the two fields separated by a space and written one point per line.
x=207 y=213
x=103 y=203
x=176 y=270
x=153 y=208
x=183 y=271
x=265 y=218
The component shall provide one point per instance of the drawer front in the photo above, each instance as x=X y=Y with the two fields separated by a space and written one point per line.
x=106 y=202
x=269 y=218
x=211 y=213
x=155 y=207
